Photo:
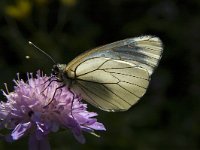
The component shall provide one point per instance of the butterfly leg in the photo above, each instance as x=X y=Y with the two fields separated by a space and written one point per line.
x=48 y=80
x=50 y=83
x=73 y=96
x=60 y=87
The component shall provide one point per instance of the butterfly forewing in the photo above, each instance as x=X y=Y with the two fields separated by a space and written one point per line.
x=115 y=76
x=145 y=51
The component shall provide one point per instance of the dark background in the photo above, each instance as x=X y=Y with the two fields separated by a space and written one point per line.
x=167 y=117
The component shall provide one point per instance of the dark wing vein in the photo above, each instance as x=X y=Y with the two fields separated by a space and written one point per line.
x=134 y=84
x=99 y=69
x=151 y=49
x=82 y=88
x=126 y=75
x=128 y=83
x=116 y=68
x=97 y=95
x=129 y=91
x=140 y=60
x=111 y=82
x=85 y=61
x=78 y=79
x=116 y=94
x=103 y=63
x=124 y=81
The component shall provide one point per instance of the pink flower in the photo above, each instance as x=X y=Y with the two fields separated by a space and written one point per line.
x=28 y=111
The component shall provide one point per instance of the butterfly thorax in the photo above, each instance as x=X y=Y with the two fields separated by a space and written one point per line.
x=62 y=73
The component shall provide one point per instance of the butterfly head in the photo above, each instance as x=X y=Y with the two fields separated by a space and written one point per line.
x=58 y=70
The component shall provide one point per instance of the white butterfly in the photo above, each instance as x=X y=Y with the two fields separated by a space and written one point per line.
x=115 y=76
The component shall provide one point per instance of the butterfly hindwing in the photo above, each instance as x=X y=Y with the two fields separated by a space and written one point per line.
x=111 y=85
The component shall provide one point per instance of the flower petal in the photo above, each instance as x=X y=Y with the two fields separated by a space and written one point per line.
x=75 y=128
x=97 y=126
x=20 y=130
x=41 y=130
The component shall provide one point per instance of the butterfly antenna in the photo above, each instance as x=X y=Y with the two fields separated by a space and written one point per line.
x=42 y=52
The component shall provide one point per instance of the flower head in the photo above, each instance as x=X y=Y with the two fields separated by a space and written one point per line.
x=30 y=110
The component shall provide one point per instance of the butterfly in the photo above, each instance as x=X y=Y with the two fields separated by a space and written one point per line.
x=115 y=76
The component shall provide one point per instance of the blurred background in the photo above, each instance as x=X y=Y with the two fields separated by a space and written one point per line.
x=167 y=117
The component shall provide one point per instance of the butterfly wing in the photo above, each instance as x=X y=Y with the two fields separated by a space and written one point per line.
x=115 y=76
x=109 y=84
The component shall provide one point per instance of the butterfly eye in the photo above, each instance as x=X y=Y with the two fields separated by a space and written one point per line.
x=55 y=70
